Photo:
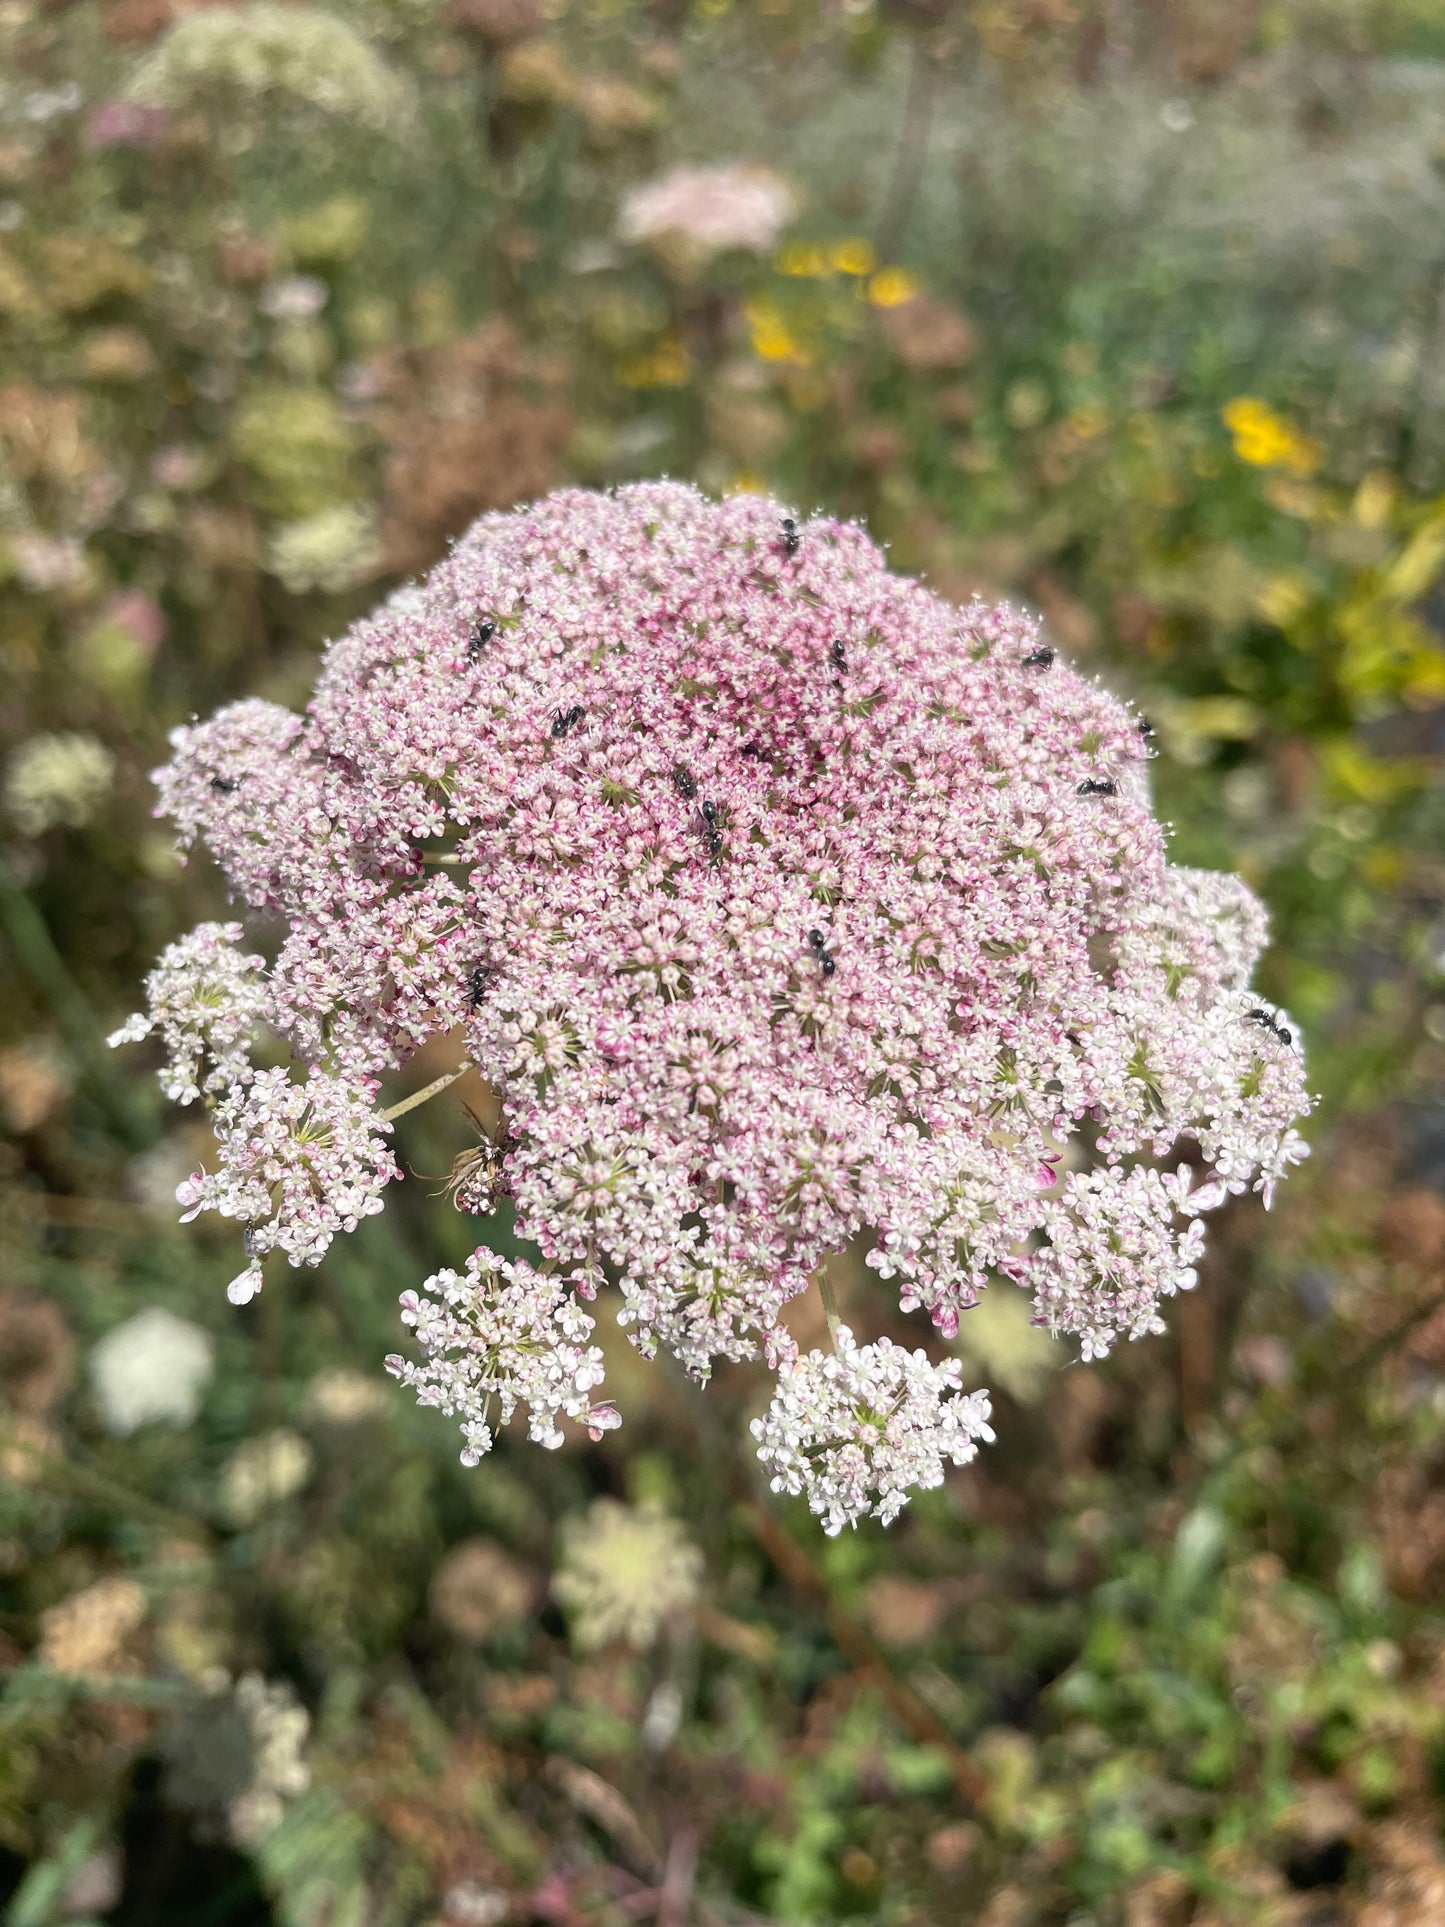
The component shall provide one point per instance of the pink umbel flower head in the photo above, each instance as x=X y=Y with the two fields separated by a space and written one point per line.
x=734 y=205
x=782 y=905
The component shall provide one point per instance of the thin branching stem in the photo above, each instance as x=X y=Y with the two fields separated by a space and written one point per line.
x=428 y=1091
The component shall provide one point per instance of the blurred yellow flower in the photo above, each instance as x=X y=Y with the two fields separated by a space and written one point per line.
x=1088 y=421
x=746 y=483
x=773 y=339
x=1283 y=598
x=1374 y=500
x=802 y=260
x=854 y=256
x=666 y=366
x=891 y=287
x=1267 y=440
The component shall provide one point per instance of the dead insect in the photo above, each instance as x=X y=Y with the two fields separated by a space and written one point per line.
x=684 y=781
x=1097 y=786
x=479 y=983
x=1273 y=1026
x=481 y=636
x=792 y=541
x=566 y=719
x=1042 y=658
x=839 y=655
x=478 y=1179
x=225 y=785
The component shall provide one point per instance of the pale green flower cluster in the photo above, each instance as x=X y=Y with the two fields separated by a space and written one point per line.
x=331 y=551
x=57 y=779
x=298 y=56
x=623 y=1571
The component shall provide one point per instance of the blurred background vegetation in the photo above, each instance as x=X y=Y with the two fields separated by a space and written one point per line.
x=1130 y=310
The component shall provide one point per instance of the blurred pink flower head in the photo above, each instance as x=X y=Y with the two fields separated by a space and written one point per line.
x=710 y=208
x=139 y=615
x=126 y=123
x=782 y=905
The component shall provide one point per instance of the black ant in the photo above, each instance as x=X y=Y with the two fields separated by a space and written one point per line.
x=711 y=834
x=792 y=541
x=481 y=636
x=566 y=719
x=1146 y=729
x=1097 y=786
x=1042 y=658
x=1273 y=1026
x=684 y=781
x=840 y=657
x=820 y=950
x=479 y=983
x=225 y=785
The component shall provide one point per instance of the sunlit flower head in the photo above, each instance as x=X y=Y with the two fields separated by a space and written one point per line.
x=781 y=905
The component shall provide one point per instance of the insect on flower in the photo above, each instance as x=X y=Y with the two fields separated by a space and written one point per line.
x=1097 y=786
x=1146 y=729
x=792 y=541
x=479 y=983
x=819 y=948
x=567 y=719
x=1041 y=658
x=225 y=785
x=1273 y=1026
x=839 y=655
x=477 y=1181
x=480 y=637
x=684 y=781
x=711 y=832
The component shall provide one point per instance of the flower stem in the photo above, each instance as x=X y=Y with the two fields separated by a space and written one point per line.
x=830 y=1303
x=427 y=1091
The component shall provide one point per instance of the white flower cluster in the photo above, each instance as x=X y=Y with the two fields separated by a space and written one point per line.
x=296 y=56
x=501 y=1336
x=205 y=998
x=623 y=1571
x=710 y=208
x=299 y=1163
x=1130 y=1215
x=278 y=1727
x=151 y=1370
x=866 y=1423
x=332 y=550
x=57 y=779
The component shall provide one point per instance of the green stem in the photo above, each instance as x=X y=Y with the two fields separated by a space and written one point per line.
x=427 y=1091
x=830 y=1303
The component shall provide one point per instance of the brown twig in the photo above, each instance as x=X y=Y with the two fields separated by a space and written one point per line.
x=856 y=1644
x=600 y=1802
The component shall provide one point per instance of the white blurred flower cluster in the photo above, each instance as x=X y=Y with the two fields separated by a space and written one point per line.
x=622 y=1572
x=57 y=779
x=710 y=208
